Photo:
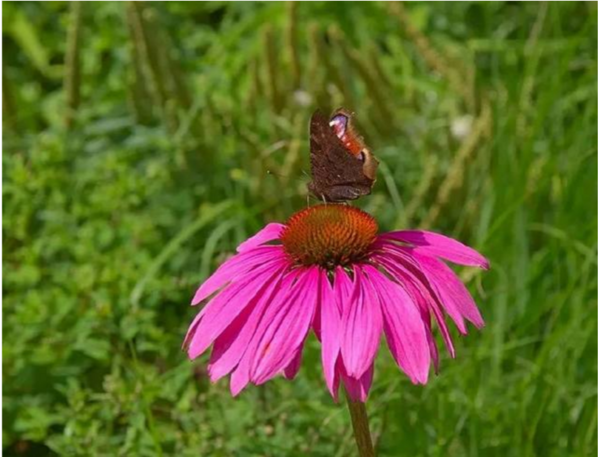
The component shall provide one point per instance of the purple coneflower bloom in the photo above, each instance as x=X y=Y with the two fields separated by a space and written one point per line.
x=328 y=270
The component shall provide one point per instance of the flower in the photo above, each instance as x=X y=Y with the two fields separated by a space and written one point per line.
x=328 y=270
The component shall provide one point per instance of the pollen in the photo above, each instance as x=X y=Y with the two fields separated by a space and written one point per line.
x=329 y=235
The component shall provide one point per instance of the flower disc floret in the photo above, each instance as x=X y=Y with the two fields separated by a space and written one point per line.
x=329 y=235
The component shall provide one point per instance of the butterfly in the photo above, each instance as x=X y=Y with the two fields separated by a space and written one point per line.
x=343 y=168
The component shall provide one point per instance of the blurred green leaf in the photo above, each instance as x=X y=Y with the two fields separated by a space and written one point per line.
x=26 y=35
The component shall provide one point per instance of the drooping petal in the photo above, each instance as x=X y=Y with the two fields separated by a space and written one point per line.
x=191 y=330
x=336 y=385
x=292 y=369
x=434 y=244
x=453 y=293
x=270 y=232
x=225 y=307
x=240 y=377
x=239 y=380
x=316 y=322
x=343 y=288
x=412 y=261
x=287 y=331
x=404 y=329
x=420 y=297
x=231 y=344
x=331 y=324
x=399 y=260
x=433 y=349
x=356 y=389
x=223 y=354
x=362 y=325
x=237 y=266
x=216 y=302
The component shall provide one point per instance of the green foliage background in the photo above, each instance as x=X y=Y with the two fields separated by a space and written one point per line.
x=137 y=141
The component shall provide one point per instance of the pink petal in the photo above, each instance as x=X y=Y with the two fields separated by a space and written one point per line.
x=452 y=291
x=191 y=330
x=229 y=347
x=408 y=259
x=356 y=389
x=434 y=244
x=292 y=369
x=418 y=296
x=241 y=375
x=336 y=384
x=399 y=260
x=239 y=380
x=270 y=232
x=286 y=332
x=433 y=350
x=343 y=288
x=225 y=307
x=235 y=267
x=362 y=325
x=316 y=323
x=224 y=356
x=330 y=324
x=403 y=326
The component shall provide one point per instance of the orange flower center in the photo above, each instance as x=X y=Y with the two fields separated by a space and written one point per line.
x=329 y=235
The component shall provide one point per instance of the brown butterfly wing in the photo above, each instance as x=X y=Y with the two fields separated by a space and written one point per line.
x=337 y=174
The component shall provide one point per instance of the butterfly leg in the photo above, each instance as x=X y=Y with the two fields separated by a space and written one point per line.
x=346 y=192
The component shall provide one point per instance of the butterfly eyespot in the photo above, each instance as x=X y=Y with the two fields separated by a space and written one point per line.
x=343 y=168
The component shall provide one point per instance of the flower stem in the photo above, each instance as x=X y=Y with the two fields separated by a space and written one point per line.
x=360 y=425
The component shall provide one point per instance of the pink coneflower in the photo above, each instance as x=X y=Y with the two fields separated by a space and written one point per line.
x=328 y=270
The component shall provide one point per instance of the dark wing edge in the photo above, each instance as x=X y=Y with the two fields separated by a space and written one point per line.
x=338 y=161
x=330 y=163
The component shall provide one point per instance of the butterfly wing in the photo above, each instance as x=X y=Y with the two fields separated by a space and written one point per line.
x=337 y=174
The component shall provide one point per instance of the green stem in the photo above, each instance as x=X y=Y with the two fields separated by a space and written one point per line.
x=360 y=425
x=72 y=79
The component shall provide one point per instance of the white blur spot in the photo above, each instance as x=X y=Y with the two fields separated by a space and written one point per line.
x=302 y=98
x=461 y=126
